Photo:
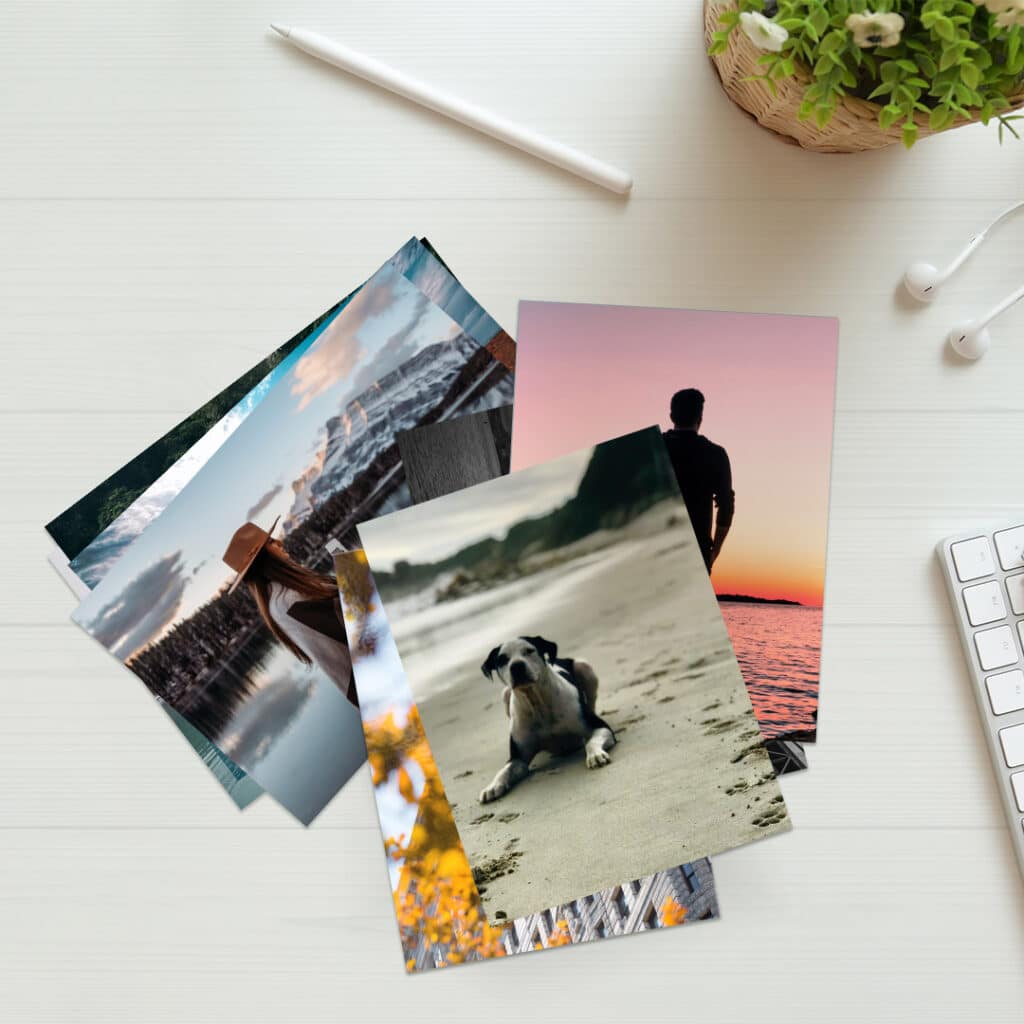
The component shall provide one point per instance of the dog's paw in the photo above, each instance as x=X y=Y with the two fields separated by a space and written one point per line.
x=495 y=791
x=598 y=758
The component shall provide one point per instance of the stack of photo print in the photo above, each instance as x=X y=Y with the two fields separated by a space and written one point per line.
x=563 y=593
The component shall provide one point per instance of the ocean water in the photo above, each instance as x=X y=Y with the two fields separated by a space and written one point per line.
x=779 y=651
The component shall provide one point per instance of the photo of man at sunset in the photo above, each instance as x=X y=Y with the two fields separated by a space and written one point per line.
x=586 y=373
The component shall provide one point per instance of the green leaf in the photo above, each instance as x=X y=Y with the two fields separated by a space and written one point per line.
x=818 y=19
x=824 y=66
x=909 y=134
x=945 y=29
x=833 y=41
x=887 y=116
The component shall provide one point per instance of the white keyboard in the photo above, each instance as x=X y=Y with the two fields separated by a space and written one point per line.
x=985 y=575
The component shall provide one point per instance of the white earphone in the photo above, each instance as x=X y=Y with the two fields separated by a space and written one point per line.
x=969 y=339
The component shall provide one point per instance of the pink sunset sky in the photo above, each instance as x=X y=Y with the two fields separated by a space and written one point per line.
x=586 y=373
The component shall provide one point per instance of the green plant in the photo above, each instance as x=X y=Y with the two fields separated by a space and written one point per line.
x=943 y=59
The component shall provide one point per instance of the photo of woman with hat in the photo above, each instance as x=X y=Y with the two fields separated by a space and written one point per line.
x=300 y=607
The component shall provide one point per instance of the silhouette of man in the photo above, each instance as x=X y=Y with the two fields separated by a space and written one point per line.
x=703 y=472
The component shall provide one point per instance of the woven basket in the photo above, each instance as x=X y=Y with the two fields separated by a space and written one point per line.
x=854 y=126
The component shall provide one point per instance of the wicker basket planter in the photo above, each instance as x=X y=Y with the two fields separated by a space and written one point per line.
x=853 y=128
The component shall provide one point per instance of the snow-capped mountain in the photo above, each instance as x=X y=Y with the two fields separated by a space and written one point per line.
x=398 y=401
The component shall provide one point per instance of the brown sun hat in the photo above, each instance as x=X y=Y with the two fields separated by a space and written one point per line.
x=246 y=544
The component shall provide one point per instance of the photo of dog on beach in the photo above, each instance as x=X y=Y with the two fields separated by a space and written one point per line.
x=574 y=676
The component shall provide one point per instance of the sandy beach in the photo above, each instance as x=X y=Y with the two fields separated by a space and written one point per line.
x=688 y=777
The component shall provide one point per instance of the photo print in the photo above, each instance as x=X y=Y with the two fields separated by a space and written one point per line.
x=97 y=528
x=750 y=436
x=573 y=675
x=225 y=605
x=459 y=453
x=436 y=892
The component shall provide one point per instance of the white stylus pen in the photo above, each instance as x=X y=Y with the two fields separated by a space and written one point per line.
x=497 y=127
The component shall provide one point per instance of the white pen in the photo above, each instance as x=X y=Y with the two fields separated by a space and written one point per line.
x=472 y=116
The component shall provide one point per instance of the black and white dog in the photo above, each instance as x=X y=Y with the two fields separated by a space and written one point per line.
x=551 y=705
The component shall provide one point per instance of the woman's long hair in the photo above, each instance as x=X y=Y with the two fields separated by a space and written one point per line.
x=272 y=565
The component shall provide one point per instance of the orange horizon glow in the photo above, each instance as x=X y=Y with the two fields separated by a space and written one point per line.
x=585 y=374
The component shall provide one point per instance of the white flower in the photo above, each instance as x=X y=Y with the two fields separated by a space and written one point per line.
x=762 y=31
x=871 y=29
x=1011 y=13
x=993 y=6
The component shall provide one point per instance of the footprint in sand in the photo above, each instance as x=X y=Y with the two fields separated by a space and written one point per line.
x=650 y=693
x=465 y=774
x=665 y=700
x=712 y=707
x=480 y=820
x=716 y=726
x=738 y=787
x=770 y=817
x=510 y=816
x=754 y=748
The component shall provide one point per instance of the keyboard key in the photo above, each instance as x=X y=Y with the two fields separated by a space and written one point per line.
x=1015 y=588
x=984 y=603
x=1012 y=740
x=1018 y=789
x=973 y=559
x=1006 y=692
x=996 y=648
x=1010 y=545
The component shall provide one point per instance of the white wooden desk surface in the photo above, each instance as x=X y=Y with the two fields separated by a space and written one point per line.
x=173 y=205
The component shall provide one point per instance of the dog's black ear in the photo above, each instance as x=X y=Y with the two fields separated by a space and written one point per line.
x=548 y=649
x=490 y=666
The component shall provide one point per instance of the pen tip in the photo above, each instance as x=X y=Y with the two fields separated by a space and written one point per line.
x=281 y=30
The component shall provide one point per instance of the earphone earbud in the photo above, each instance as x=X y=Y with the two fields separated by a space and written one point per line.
x=971 y=339
x=922 y=280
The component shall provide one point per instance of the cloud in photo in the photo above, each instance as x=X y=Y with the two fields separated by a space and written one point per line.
x=264 y=502
x=398 y=348
x=338 y=350
x=143 y=608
